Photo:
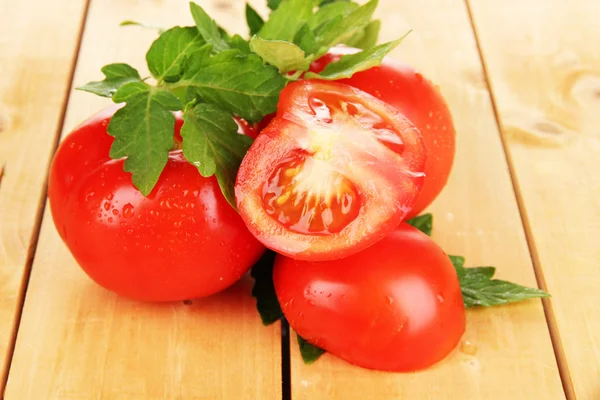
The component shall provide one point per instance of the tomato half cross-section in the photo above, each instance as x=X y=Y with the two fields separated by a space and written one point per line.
x=396 y=306
x=182 y=241
x=333 y=173
x=415 y=96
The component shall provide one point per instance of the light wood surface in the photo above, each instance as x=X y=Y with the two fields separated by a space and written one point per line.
x=545 y=76
x=77 y=341
x=37 y=50
x=477 y=217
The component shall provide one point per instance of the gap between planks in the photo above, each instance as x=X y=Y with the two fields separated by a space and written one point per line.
x=35 y=234
x=559 y=352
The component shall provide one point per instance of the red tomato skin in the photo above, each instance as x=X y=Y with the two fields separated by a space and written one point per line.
x=183 y=241
x=401 y=86
x=396 y=306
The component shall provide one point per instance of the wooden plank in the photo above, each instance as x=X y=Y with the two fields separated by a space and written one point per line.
x=476 y=216
x=545 y=76
x=78 y=341
x=37 y=50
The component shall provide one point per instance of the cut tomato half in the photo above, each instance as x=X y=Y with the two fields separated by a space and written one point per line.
x=333 y=173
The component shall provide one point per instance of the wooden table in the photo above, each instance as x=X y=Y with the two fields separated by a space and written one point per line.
x=522 y=78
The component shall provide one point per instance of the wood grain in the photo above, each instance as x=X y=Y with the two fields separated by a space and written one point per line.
x=78 y=341
x=37 y=50
x=545 y=77
x=476 y=216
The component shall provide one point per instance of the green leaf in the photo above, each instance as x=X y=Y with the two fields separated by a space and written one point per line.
x=458 y=262
x=305 y=38
x=170 y=51
x=285 y=56
x=368 y=38
x=273 y=4
x=239 y=43
x=286 y=21
x=309 y=352
x=208 y=28
x=143 y=131
x=325 y=2
x=424 y=223
x=478 y=291
x=342 y=28
x=239 y=84
x=116 y=75
x=264 y=290
x=350 y=64
x=329 y=11
x=254 y=20
x=142 y=25
x=212 y=144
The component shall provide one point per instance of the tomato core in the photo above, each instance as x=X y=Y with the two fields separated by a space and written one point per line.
x=307 y=196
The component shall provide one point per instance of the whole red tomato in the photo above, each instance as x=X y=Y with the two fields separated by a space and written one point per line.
x=183 y=241
x=421 y=102
x=396 y=306
x=334 y=172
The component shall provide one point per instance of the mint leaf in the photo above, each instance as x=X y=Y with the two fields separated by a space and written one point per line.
x=143 y=131
x=116 y=75
x=329 y=11
x=368 y=38
x=168 y=54
x=350 y=64
x=142 y=25
x=208 y=28
x=286 y=20
x=342 y=28
x=254 y=20
x=273 y=4
x=240 y=84
x=264 y=290
x=424 y=223
x=309 y=352
x=212 y=144
x=285 y=56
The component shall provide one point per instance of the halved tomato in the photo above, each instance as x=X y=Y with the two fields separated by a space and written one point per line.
x=334 y=172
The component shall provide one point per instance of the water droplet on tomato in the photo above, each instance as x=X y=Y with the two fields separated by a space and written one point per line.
x=130 y=231
x=128 y=210
x=115 y=211
x=89 y=196
x=106 y=206
x=177 y=224
x=110 y=220
x=440 y=298
x=390 y=300
x=110 y=196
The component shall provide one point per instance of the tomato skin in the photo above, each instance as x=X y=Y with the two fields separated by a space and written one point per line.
x=401 y=86
x=381 y=182
x=183 y=241
x=396 y=306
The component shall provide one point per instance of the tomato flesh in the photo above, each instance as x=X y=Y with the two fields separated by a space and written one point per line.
x=182 y=241
x=416 y=97
x=396 y=306
x=333 y=173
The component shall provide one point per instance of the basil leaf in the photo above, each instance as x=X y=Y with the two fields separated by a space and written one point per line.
x=325 y=2
x=116 y=75
x=239 y=84
x=368 y=38
x=309 y=352
x=424 y=223
x=169 y=52
x=329 y=11
x=273 y=4
x=264 y=290
x=142 y=25
x=342 y=28
x=143 y=131
x=305 y=38
x=254 y=20
x=208 y=28
x=239 y=43
x=479 y=291
x=285 y=56
x=212 y=144
x=458 y=262
x=286 y=21
x=350 y=64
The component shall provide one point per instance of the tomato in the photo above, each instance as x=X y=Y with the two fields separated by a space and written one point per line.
x=422 y=103
x=334 y=172
x=182 y=241
x=396 y=306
